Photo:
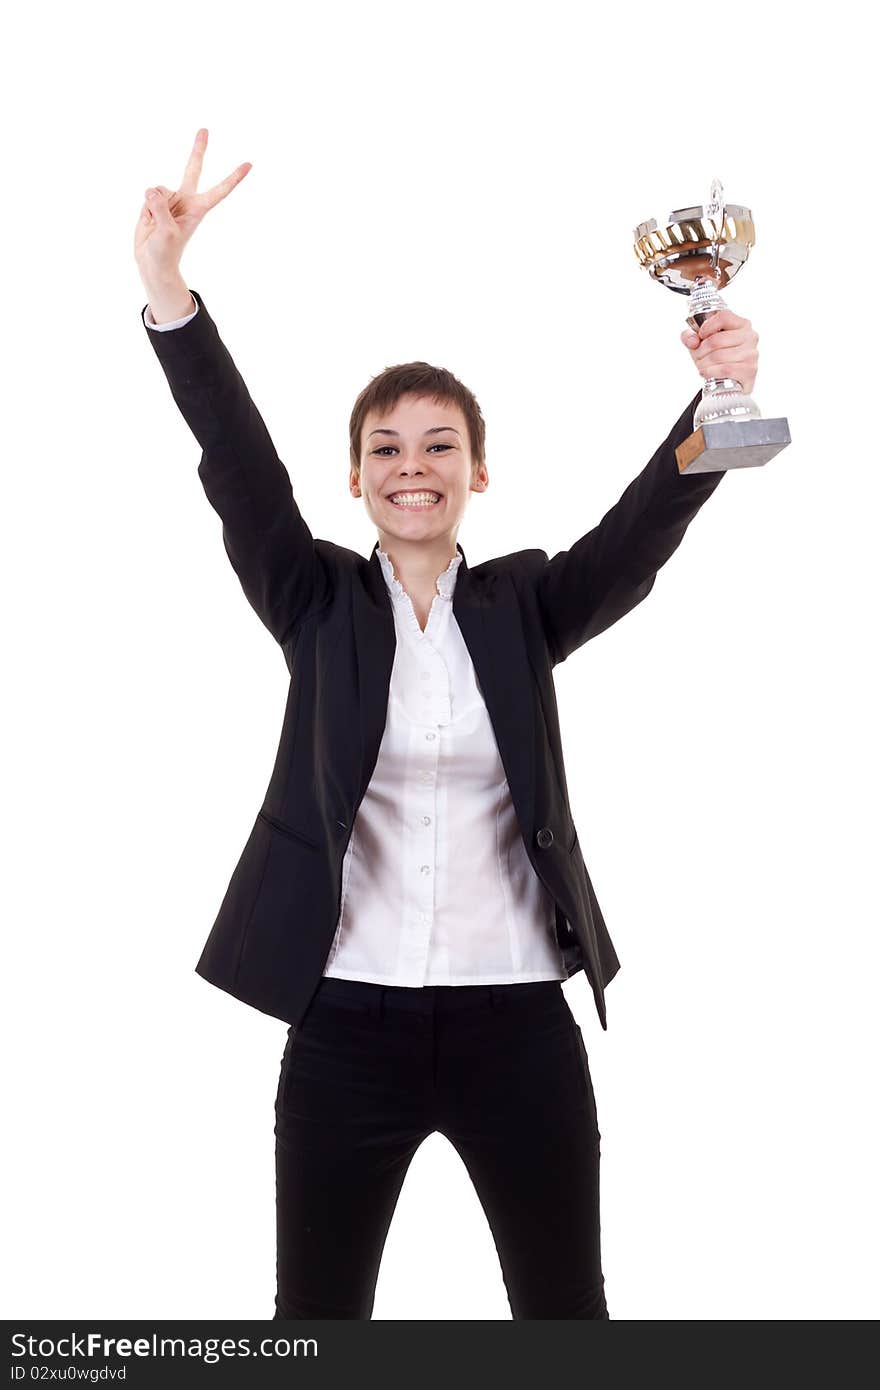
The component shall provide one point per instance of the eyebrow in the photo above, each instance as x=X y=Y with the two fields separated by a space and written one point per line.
x=435 y=429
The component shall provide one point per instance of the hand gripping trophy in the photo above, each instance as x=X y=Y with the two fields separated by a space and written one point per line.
x=697 y=253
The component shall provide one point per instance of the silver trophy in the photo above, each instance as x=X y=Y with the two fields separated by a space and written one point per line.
x=697 y=253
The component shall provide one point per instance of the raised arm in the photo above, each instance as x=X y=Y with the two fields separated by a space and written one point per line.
x=268 y=543
x=584 y=590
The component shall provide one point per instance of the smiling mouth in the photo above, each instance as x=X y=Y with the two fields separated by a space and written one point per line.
x=423 y=504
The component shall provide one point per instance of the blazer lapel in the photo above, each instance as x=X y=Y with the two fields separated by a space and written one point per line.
x=488 y=617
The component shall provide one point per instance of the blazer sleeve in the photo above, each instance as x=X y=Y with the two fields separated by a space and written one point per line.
x=584 y=590
x=266 y=539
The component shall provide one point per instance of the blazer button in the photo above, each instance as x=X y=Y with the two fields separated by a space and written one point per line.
x=545 y=837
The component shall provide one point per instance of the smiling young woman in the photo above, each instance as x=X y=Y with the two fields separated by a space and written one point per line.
x=417 y=430
x=413 y=894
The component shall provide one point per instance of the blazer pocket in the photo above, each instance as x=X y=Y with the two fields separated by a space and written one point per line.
x=285 y=829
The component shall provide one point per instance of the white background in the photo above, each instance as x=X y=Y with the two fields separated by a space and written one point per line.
x=457 y=183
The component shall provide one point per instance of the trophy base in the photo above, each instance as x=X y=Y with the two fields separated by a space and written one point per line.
x=721 y=444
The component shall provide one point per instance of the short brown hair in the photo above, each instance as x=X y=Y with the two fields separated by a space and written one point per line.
x=417 y=379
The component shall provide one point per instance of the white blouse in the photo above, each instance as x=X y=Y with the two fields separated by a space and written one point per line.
x=437 y=887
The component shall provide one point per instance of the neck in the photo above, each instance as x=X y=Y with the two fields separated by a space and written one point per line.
x=418 y=564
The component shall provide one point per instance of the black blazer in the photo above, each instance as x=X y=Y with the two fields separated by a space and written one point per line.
x=330 y=611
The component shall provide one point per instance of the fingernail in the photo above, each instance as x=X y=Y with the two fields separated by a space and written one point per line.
x=151 y=192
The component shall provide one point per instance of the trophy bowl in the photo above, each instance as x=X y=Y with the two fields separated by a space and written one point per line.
x=694 y=245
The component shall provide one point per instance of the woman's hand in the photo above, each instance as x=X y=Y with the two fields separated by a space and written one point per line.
x=168 y=220
x=727 y=345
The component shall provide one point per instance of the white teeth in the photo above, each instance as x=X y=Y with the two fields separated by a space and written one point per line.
x=414 y=499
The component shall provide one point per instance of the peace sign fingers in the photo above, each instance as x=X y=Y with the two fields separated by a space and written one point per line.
x=193 y=172
x=169 y=218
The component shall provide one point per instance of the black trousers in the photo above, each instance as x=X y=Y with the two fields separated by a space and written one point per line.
x=502 y=1072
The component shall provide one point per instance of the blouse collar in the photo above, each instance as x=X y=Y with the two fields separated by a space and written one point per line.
x=445 y=582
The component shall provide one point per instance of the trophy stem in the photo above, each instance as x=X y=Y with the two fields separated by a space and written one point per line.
x=723 y=397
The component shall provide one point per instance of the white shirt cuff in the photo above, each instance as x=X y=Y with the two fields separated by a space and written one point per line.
x=175 y=323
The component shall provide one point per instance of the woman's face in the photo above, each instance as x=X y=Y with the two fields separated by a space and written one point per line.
x=419 y=445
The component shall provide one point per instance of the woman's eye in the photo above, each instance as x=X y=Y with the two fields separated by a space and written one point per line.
x=382 y=448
